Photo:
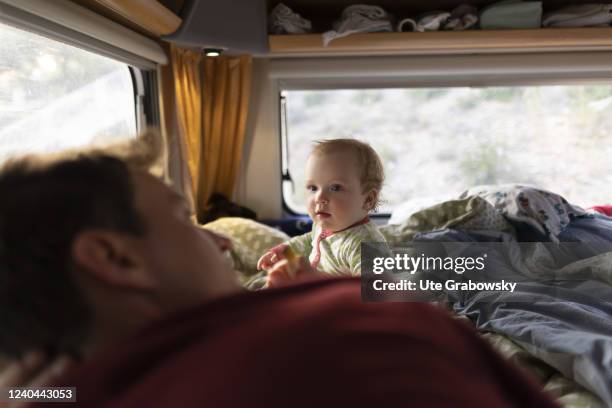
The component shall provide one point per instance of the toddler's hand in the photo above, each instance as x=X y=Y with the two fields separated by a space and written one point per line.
x=286 y=271
x=267 y=260
x=282 y=273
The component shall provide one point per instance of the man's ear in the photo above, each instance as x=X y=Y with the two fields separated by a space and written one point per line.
x=111 y=258
x=370 y=200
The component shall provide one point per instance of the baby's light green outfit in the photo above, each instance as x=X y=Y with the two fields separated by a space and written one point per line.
x=337 y=253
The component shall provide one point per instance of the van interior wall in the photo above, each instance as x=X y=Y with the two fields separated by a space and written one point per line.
x=259 y=186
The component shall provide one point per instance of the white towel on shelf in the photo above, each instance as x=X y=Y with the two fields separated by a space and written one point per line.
x=359 y=18
x=284 y=21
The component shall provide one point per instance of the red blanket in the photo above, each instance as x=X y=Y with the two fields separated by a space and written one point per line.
x=309 y=345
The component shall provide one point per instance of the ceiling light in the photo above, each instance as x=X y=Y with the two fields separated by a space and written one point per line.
x=212 y=52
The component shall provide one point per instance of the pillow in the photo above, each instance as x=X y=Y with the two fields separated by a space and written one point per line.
x=469 y=213
x=250 y=240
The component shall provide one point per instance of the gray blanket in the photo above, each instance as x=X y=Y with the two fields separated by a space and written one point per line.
x=561 y=309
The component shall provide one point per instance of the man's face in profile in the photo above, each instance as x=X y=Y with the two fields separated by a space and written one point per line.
x=185 y=261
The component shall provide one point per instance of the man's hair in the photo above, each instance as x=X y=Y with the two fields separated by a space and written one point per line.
x=372 y=173
x=44 y=203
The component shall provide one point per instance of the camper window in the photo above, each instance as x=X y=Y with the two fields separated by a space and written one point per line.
x=439 y=141
x=56 y=96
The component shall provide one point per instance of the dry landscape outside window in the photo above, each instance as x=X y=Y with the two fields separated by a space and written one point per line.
x=55 y=96
x=437 y=142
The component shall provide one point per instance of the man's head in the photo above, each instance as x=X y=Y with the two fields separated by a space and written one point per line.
x=343 y=179
x=88 y=239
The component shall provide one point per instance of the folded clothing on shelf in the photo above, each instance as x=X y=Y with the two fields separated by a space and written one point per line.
x=583 y=15
x=359 y=18
x=462 y=17
x=511 y=14
x=283 y=20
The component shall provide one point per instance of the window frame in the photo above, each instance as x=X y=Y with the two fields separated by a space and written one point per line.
x=559 y=68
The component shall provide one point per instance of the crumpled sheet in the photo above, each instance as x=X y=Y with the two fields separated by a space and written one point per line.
x=469 y=213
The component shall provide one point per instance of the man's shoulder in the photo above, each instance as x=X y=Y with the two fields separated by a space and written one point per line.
x=333 y=300
x=315 y=295
x=327 y=303
x=313 y=344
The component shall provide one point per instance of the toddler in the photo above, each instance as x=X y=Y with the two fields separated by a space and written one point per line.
x=343 y=179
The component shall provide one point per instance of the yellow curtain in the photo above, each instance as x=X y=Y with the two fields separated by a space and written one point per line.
x=188 y=98
x=227 y=86
x=212 y=98
x=176 y=152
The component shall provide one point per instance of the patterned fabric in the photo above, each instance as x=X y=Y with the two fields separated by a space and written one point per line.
x=339 y=253
x=547 y=212
x=250 y=240
x=470 y=213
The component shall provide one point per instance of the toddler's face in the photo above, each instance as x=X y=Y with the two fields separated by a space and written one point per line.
x=335 y=194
